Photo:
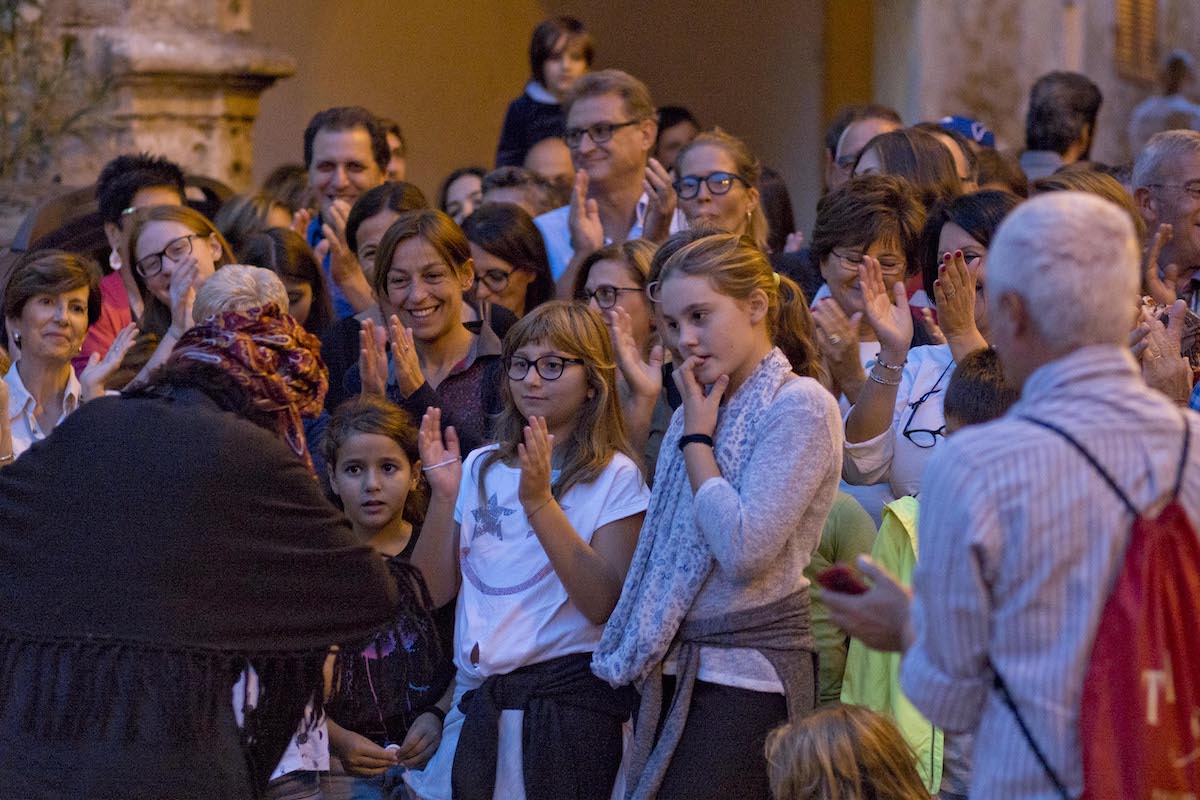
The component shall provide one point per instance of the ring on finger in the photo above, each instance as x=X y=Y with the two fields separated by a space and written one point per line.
x=835 y=339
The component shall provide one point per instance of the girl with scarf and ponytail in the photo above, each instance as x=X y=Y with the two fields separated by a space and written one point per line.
x=713 y=622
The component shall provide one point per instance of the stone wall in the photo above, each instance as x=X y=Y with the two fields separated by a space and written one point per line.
x=980 y=57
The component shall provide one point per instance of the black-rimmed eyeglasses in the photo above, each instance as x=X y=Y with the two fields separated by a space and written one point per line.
x=605 y=296
x=176 y=250
x=688 y=186
x=600 y=133
x=924 y=437
x=550 y=368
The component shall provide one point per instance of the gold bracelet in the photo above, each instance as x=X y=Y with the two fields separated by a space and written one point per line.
x=7 y=458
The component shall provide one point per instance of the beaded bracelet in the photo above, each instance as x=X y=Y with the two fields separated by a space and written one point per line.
x=882 y=381
x=879 y=362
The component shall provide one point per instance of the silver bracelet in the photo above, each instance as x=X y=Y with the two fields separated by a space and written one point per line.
x=440 y=464
x=7 y=458
x=882 y=381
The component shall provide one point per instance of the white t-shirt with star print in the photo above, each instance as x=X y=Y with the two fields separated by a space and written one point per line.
x=512 y=608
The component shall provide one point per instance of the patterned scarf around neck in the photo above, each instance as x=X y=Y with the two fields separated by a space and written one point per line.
x=270 y=355
x=672 y=560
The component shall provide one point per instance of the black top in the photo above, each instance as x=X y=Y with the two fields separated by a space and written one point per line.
x=526 y=123
x=377 y=698
x=153 y=548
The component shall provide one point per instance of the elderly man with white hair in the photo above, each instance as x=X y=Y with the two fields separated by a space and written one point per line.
x=1021 y=538
x=1166 y=188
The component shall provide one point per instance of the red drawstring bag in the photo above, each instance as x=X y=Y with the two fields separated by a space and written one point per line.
x=1139 y=721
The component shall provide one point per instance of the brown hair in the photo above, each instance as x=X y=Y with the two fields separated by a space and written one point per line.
x=866 y=209
x=157 y=317
x=51 y=272
x=374 y=415
x=284 y=252
x=635 y=254
x=744 y=164
x=842 y=752
x=978 y=391
x=437 y=229
x=735 y=267
x=633 y=92
x=543 y=44
x=1097 y=183
x=244 y=215
x=922 y=159
x=599 y=432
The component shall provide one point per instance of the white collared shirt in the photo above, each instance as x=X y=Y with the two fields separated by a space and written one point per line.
x=556 y=232
x=22 y=407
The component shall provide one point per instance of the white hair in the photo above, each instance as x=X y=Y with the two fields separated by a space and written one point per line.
x=238 y=287
x=1158 y=156
x=1074 y=258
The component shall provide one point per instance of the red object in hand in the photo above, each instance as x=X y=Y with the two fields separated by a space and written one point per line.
x=841 y=578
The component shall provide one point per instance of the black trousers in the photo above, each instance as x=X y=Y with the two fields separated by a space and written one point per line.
x=720 y=754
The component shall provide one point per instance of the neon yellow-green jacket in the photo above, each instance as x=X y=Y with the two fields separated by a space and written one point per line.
x=872 y=678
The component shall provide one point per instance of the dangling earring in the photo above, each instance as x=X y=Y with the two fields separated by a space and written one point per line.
x=16 y=339
x=114 y=260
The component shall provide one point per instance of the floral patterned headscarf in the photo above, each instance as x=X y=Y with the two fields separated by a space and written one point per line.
x=272 y=357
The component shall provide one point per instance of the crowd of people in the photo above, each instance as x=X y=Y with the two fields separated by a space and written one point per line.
x=596 y=478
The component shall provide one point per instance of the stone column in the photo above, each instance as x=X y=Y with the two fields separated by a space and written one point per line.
x=186 y=83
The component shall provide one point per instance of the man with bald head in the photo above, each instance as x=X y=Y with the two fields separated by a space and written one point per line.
x=858 y=125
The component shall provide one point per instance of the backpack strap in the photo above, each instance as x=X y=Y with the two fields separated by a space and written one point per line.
x=1006 y=696
x=1183 y=457
x=1083 y=451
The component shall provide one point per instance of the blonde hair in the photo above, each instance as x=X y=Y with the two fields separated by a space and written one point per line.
x=239 y=287
x=633 y=92
x=744 y=164
x=1070 y=179
x=735 y=267
x=842 y=753
x=599 y=432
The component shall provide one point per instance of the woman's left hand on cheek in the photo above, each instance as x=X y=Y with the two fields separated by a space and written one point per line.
x=534 y=455
x=699 y=409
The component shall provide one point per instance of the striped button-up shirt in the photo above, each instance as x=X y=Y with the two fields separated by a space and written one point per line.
x=1021 y=543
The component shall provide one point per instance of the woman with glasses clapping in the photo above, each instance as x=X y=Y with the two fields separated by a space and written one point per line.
x=898 y=421
x=174 y=250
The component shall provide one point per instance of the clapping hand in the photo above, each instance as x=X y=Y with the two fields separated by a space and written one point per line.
x=659 y=189
x=1156 y=346
x=639 y=378
x=372 y=358
x=441 y=458
x=888 y=317
x=404 y=358
x=1160 y=286
x=98 y=370
x=837 y=338
x=583 y=218
x=534 y=455
x=954 y=294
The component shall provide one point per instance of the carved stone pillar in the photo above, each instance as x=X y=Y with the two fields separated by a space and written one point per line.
x=186 y=82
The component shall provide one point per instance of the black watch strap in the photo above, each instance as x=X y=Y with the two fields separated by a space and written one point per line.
x=695 y=438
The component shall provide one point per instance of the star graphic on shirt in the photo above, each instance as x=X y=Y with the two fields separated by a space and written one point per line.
x=487 y=520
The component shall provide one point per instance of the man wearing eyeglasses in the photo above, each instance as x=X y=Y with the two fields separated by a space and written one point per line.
x=1166 y=182
x=854 y=138
x=620 y=192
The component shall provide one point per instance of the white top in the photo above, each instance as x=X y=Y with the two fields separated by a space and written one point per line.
x=308 y=751
x=891 y=456
x=556 y=232
x=25 y=427
x=512 y=608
